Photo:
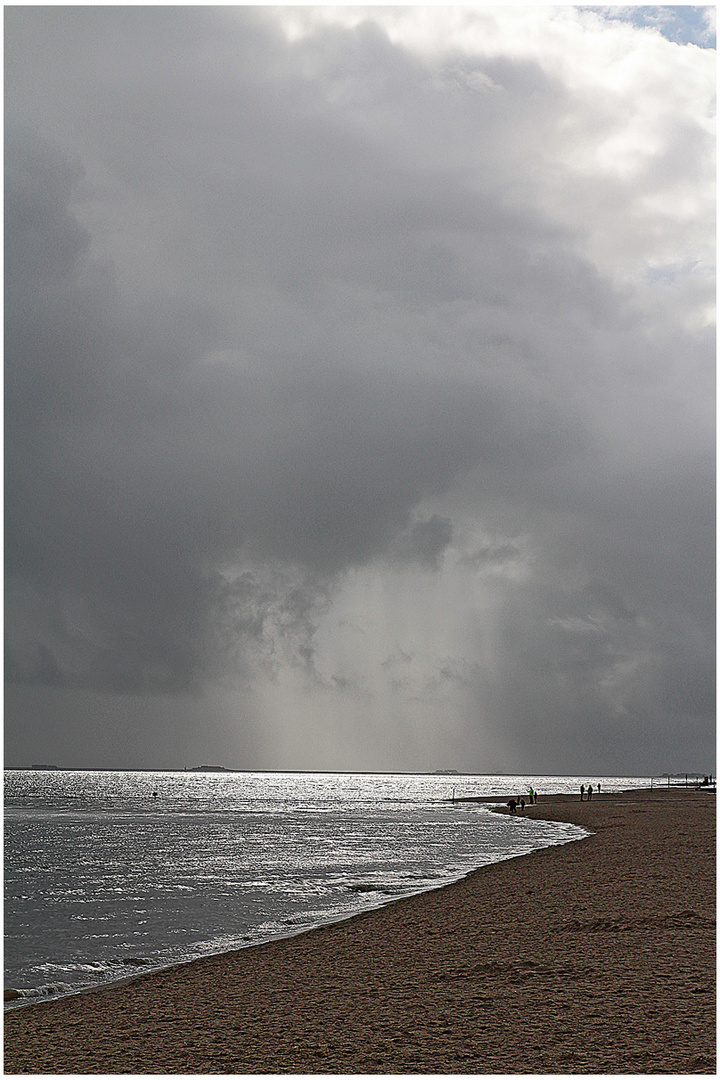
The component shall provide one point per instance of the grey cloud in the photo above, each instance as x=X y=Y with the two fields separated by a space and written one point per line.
x=265 y=300
x=152 y=466
x=490 y=555
x=597 y=688
x=430 y=538
x=424 y=542
x=398 y=658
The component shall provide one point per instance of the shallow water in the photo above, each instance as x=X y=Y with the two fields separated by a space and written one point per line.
x=110 y=872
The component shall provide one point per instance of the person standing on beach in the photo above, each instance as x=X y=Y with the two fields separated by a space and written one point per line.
x=582 y=793
x=532 y=796
x=589 y=792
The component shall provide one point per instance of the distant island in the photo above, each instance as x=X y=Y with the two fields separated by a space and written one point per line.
x=210 y=768
x=446 y=772
x=33 y=768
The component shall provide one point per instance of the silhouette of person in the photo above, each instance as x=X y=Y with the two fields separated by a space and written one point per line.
x=512 y=804
x=582 y=792
x=589 y=792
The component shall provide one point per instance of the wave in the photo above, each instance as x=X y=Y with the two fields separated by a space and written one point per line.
x=19 y=997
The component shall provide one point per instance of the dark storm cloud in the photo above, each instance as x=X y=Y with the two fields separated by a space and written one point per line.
x=278 y=311
x=634 y=689
x=84 y=522
x=430 y=538
x=133 y=468
x=491 y=555
x=424 y=542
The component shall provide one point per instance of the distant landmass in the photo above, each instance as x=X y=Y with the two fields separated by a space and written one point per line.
x=210 y=768
x=446 y=772
x=33 y=768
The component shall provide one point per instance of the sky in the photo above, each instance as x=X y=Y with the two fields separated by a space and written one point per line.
x=359 y=388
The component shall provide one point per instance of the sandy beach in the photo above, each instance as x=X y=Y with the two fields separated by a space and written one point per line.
x=597 y=956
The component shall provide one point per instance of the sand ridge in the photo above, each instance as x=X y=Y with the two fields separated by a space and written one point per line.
x=597 y=956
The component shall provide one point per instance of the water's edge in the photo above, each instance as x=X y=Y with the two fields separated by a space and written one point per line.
x=149 y=968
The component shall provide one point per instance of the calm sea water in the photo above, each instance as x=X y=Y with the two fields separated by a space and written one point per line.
x=108 y=873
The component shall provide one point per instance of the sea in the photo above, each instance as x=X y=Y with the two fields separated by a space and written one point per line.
x=109 y=873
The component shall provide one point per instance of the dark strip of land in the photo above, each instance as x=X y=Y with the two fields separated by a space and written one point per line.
x=596 y=956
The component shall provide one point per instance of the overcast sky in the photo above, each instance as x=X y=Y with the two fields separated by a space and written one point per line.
x=359 y=395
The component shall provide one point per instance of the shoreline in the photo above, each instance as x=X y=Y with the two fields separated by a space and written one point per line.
x=495 y=803
x=582 y=957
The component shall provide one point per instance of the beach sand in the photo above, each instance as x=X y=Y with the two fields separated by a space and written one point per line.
x=597 y=956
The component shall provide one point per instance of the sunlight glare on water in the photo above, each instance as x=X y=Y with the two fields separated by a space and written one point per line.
x=110 y=872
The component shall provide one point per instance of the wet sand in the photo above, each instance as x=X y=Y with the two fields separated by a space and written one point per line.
x=597 y=956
